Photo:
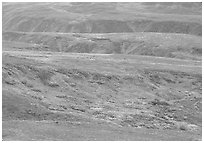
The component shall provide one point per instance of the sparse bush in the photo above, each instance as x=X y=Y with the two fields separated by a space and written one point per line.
x=36 y=90
x=44 y=76
x=61 y=96
x=26 y=83
x=52 y=84
x=159 y=102
x=77 y=108
x=72 y=84
x=36 y=97
x=111 y=116
x=10 y=82
x=182 y=126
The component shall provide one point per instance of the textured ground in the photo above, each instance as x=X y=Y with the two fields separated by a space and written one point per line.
x=181 y=46
x=102 y=71
x=124 y=91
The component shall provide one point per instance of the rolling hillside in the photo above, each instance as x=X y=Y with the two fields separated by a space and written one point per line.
x=103 y=17
x=102 y=71
x=152 y=44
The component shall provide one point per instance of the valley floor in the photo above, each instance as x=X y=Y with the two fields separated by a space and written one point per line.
x=90 y=131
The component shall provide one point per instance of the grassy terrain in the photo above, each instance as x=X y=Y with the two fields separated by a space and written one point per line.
x=77 y=131
x=121 y=91
x=180 y=46
x=102 y=71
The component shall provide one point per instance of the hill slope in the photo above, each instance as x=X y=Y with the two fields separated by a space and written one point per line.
x=123 y=91
x=103 y=17
x=151 y=44
x=102 y=71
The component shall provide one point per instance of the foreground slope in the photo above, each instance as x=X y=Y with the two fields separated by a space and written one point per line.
x=126 y=93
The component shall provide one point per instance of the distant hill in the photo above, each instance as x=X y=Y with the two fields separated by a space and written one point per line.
x=103 y=17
